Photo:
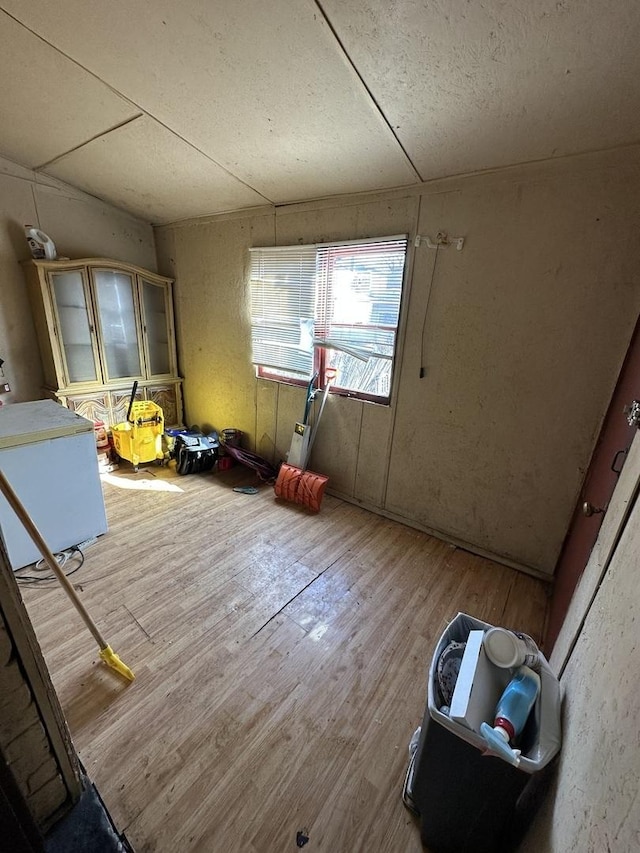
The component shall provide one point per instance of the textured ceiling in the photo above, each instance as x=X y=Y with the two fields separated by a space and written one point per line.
x=172 y=110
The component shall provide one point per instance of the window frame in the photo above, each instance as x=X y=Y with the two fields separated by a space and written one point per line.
x=321 y=355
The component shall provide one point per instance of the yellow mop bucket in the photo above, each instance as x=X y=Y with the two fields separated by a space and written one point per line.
x=139 y=438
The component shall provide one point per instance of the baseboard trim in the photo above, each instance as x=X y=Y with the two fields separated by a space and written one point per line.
x=445 y=537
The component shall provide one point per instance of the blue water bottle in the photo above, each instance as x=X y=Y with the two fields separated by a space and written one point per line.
x=512 y=713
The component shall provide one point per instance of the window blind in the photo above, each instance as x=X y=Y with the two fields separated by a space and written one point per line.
x=361 y=284
x=363 y=287
x=283 y=300
x=343 y=298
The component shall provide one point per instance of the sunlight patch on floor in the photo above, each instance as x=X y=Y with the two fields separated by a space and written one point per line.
x=144 y=484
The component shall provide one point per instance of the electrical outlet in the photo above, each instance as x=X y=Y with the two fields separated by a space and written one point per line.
x=4 y=387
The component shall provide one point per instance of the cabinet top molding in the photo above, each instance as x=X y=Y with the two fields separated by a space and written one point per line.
x=93 y=262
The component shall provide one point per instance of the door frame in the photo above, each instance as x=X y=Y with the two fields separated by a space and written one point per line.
x=598 y=487
x=620 y=506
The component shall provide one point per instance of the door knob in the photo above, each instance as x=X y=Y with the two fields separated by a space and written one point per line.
x=589 y=509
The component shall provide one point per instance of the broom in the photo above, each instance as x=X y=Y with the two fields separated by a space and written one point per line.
x=106 y=652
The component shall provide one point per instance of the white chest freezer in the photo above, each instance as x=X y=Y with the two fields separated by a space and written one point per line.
x=48 y=454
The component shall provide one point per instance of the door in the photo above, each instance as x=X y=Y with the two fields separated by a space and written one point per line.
x=601 y=479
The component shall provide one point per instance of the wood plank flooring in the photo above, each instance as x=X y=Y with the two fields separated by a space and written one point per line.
x=280 y=661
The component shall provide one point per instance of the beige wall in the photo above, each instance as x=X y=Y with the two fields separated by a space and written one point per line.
x=80 y=226
x=526 y=332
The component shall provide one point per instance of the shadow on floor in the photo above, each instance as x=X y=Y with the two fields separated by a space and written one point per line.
x=87 y=828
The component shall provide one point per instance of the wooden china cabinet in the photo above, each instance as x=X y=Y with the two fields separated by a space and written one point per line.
x=102 y=325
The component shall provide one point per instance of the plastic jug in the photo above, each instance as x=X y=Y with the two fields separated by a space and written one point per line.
x=510 y=648
x=512 y=713
x=42 y=247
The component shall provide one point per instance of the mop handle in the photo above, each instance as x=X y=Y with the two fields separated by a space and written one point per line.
x=330 y=376
x=34 y=533
x=310 y=393
x=133 y=397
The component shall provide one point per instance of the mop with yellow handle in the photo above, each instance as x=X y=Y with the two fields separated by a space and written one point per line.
x=106 y=652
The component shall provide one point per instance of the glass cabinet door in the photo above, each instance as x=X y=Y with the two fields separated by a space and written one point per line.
x=157 y=327
x=117 y=315
x=76 y=331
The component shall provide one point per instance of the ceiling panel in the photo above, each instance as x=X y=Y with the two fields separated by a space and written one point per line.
x=265 y=91
x=47 y=103
x=147 y=170
x=469 y=86
x=263 y=88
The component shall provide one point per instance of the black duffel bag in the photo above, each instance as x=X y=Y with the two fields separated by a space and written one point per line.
x=195 y=453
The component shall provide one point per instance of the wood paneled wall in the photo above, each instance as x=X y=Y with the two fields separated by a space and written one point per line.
x=527 y=329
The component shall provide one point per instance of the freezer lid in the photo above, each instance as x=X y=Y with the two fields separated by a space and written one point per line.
x=24 y=423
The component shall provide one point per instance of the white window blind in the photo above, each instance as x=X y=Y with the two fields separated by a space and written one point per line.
x=361 y=285
x=333 y=304
x=283 y=301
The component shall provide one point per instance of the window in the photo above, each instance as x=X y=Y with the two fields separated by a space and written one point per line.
x=328 y=305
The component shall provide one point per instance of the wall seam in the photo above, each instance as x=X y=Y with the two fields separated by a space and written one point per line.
x=35 y=204
x=399 y=365
x=354 y=487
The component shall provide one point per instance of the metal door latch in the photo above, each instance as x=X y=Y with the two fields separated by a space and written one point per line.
x=632 y=412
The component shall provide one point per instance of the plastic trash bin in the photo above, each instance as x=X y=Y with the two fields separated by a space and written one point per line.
x=466 y=800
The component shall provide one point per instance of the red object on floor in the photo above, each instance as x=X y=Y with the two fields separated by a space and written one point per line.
x=301 y=487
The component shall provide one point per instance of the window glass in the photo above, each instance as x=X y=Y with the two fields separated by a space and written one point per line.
x=116 y=309
x=75 y=326
x=332 y=305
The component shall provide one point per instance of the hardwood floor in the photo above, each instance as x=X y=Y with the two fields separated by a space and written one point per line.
x=280 y=662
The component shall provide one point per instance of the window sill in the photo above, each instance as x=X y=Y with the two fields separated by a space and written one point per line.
x=337 y=392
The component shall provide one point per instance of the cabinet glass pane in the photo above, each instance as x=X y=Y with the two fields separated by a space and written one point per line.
x=157 y=324
x=75 y=328
x=116 y=308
